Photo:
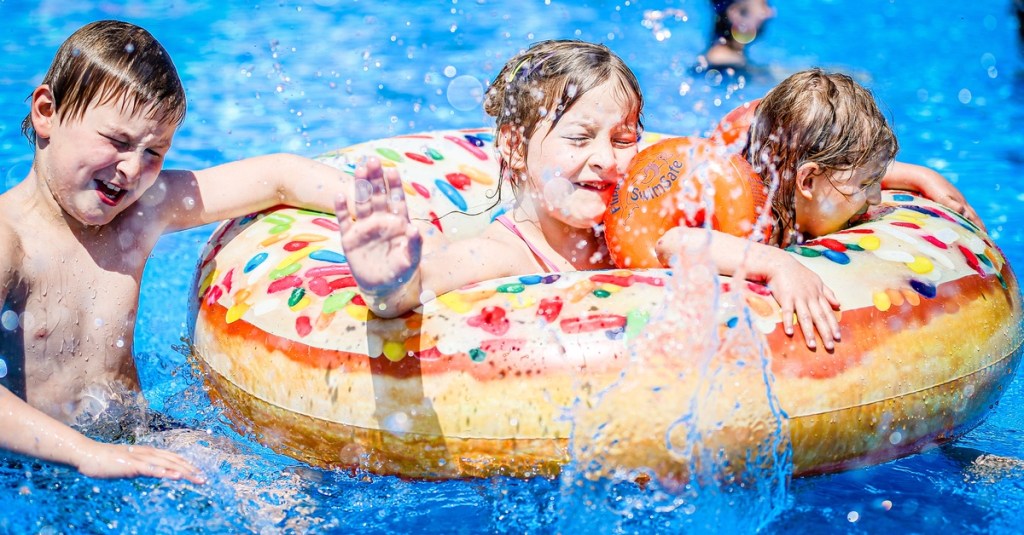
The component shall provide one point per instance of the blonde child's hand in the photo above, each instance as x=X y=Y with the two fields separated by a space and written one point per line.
x=382 y=246
x=932 y=185
x=99 y=460
x=801 y=291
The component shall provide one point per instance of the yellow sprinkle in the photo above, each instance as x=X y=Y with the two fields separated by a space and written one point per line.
x=911 y=296
x=358 y=312
x=297 y=255
x=520 y=301
x=309 y=238
x=409 y=190
x=920 y=265
x=208 y=281
x=611 y=288
x=882 y=301
x=274 y=238
x=455 y=302
x=895 y=297
x=394 y=351
x=477 y=295
x=579 y=290
x=236 y=312
x=759 y=306
x=476 y=175
x=303 y=303
x=870 y=243
x=242 y=295
x=323 y=321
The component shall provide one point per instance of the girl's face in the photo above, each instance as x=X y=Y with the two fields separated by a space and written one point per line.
x=99 y=165
x=573 y=166
x=827 y=204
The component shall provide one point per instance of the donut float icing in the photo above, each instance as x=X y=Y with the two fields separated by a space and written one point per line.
x=477 y=382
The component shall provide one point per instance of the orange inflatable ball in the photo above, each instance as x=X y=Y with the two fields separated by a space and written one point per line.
x=732 y=131
x=666 y=185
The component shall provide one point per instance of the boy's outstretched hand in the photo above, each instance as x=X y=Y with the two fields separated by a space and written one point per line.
x=382 y=246
x=801 y=292
x=96 y=459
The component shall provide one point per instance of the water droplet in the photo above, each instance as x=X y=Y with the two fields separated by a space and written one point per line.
x=450 y=71
x=3 y=368
x=853 y=516
x=465 y=93
x=9 y=320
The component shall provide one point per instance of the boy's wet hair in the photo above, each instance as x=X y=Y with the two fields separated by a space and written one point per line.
x=544 y=81
x=815 y=117
x=107 y=61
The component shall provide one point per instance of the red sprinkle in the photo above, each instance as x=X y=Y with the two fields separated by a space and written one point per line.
x=934 y=241
x=284 y=283
x=549 y=308
x=295 y=245
x=459 y=180
x=419 y=158
x=492 y=320
x=303 y=326
x=591 y=323
x=327 y=224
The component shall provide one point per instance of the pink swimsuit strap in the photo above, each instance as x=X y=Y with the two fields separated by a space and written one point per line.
x=511 y=226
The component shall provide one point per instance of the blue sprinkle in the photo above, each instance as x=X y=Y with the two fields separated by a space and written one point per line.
x=254 y=262
x=325 y=255
x=551 y=278
x=497 y=213
x=475 y=140
x=486 y=136
x=836 y=256
x=616 y=333
x=923 y=288
x=531 y=279
x=902 y=197
x=732 y=322
x=452 y=194
x=921 y=209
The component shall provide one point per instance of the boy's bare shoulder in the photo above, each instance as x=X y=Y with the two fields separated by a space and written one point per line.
x=11 y=251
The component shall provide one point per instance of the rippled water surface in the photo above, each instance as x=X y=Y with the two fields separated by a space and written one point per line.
x=306 y=77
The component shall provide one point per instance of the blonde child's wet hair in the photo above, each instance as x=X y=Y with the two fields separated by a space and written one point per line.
x=544 y=81
x=110 y=61
x=815 y=117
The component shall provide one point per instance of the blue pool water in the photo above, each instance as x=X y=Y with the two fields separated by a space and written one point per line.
x=306 y=77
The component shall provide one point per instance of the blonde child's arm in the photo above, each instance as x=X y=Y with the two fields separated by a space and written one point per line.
x=384 y=248
x=798 y=290
x=192 y=198
x=932 y=185
x=29 y=431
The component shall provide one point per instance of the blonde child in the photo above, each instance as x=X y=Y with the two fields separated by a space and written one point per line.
x=568 y=121
x=76 y=232
x=823 y=149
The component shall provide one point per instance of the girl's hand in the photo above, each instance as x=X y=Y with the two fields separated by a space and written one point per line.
x=96 y=459
x=932 y=185
x=801 y=291
x=382 y=246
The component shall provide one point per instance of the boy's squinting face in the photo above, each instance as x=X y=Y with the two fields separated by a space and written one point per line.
x=574 y=166
x=98 y=165
x=835 y=202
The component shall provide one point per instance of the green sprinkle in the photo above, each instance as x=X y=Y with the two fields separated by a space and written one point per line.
x=636 y=320
x=477 y=355
x=390 y=154
x=285 y=271
x=434 y=154
x=511 y=288
x=296 y=296
x=602 y=293
x=853 y=247
x=335 y=302
x=808 y=252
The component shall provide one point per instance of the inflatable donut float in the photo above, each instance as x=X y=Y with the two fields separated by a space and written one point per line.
x=478 y=381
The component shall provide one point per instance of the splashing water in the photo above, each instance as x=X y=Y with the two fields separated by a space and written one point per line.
x=715 y=450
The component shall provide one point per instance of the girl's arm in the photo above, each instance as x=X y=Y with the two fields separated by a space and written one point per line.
x=29 y=431
x=797 y=289
x=930 y=184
